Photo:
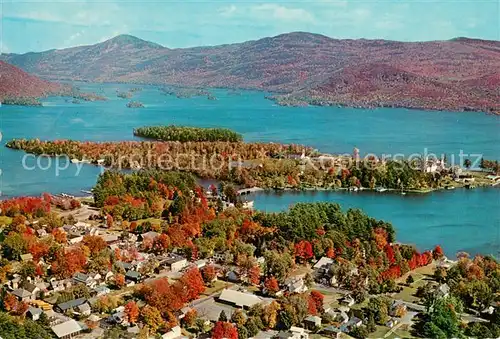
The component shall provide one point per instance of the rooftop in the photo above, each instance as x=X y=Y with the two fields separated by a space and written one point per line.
x=69 y=327
x=239 y=298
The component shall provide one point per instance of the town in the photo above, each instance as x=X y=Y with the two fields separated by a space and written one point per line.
x=153 y=255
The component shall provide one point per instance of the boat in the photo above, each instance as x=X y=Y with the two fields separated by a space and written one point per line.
x=450 y=187
x=381 y=189
x=403 y=193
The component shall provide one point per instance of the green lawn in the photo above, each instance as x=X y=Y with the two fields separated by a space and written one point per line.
x=219 y=285
x=379 y=332
x=408 y=293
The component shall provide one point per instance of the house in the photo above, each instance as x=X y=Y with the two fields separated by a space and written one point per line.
x=397 y=308
x=293 y=333
x=175 y=262
x=239 y=299
x=86 y=279
x=331 y=332
x=32 y=288
x=200 y=263
x=223 y=256
x=133 y=276
x=26 y=257
x=124 y=265
x=84 y=309
x=174 y=333
x=41 y=232
x=81 y=224
x=60 y=285
x=349 y=326
x=22 y=295
x=67 y=330
x=151 y=235
x=110 y=238
x=347 y=300
x=443 y=290
x=101 y=290
x=296 y=285
x=34 y=313
x=391 y=322
x=312 y=322
x=323 y=262
x=70 y=305
x=75 y=240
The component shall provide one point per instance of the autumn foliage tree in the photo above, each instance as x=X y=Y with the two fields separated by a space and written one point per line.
x=303 y=250
x=68 y=263
x=437 y=253
x=254 y=275
x=132 y=312
x=271 y=285
x=119 y=280
x=224 y=330
x=208 y=273
x=95 y=243
x=193 y=284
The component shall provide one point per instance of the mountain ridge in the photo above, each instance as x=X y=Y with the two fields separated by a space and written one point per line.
x=301 y=65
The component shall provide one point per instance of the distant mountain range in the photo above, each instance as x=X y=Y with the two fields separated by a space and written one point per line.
x=459 y=74
x=17 y=86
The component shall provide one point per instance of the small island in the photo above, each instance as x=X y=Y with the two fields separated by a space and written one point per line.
x=124 y=95
x=185 y=133
x=135 y=104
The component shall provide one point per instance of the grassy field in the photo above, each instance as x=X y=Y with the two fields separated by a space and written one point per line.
x=219 y=285
x=379 y=332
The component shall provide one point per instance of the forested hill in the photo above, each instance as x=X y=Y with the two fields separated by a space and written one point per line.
x=458 y=74
x=15 y=85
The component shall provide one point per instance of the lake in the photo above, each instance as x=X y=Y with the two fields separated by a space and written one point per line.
x=459 y=219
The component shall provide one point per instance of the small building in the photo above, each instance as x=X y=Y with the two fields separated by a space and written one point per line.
x=293 y=333
x=101 y=290
x=84 y=309
x=347 y=300
x=175 y=262
x=331 y=332
x=322 y=262
x=443 y=290
x=31 y=288
x=22 y=295
x=151 y=235
x=67 y=330
x=41 y=232
x=26 y=257
x=239 y=299
x=133 y=276
x=391 y=322
x=34 y=313
x=312 y=322
x=86 y=279
x=296 y=285
x=70 y=305
x=174 y=333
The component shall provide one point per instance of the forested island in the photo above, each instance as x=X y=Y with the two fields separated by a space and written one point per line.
x=186 y=134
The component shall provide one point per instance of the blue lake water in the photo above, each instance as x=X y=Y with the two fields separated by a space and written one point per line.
x=460 y=219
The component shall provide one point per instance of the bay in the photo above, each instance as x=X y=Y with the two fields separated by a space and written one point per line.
x=459 y=220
